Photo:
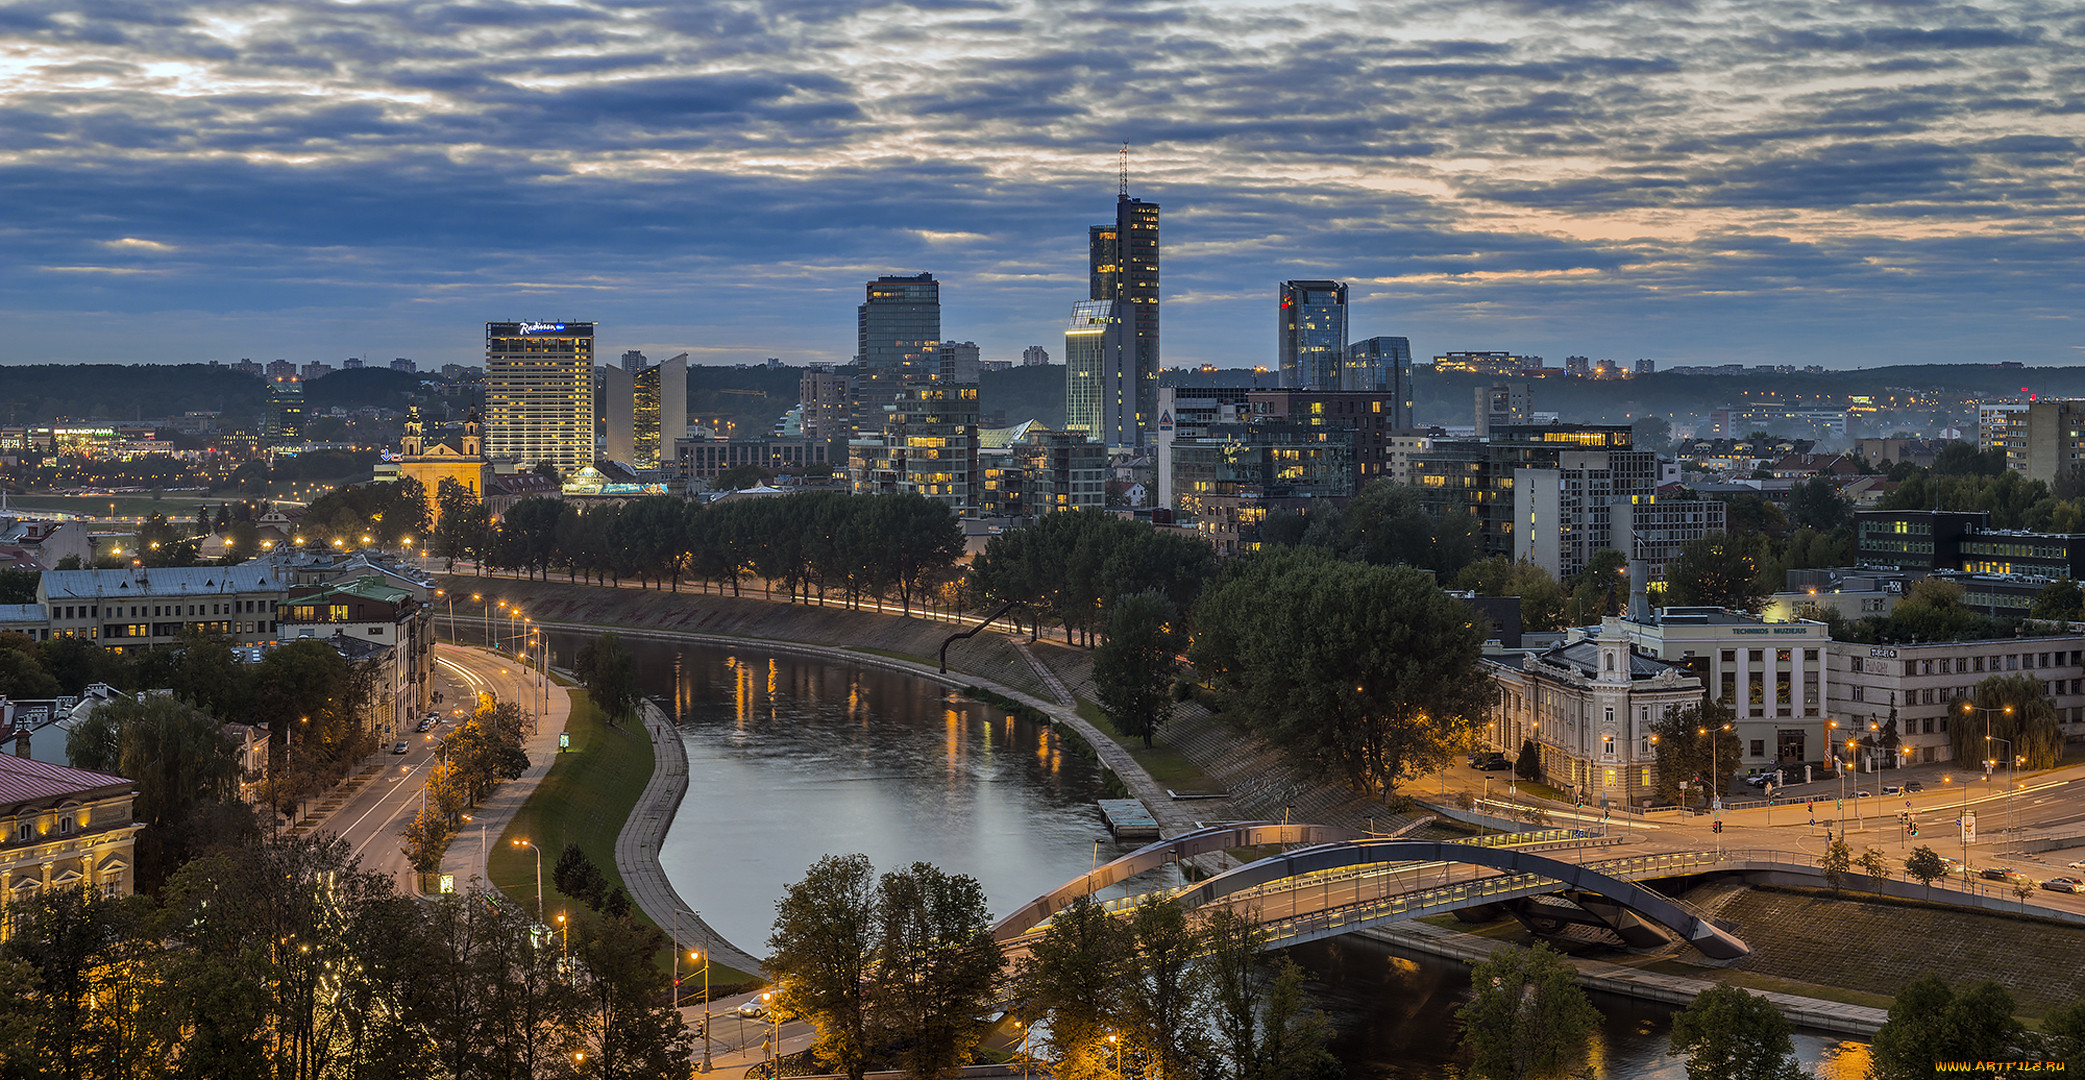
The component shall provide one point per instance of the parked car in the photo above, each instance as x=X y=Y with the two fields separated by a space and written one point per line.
x=2003 y=873
x=1913 y=787
x=1491 y=762
x=2064 y=884
x=424 y=724
x=400 y=748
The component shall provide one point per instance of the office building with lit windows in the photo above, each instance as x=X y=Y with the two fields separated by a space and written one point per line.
x=539 y=393
x=898 y=344
x=661 y=407
x=1122 y=265
x=1382 y=365
x=1525 y=480
x=1100 y=378
x=285 y=421
x=1312 y=338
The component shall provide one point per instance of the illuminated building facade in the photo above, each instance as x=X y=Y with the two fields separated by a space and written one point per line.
x=661 y=406
x=1100 y=377
x=1382 y=365
x=1481 y=478
x=1231 y=477
x=285 y=419
x=65 y=829
x=1122 y=266
x=898 y=345
x=1312 y=339
x=539 y=393
x=464 y=462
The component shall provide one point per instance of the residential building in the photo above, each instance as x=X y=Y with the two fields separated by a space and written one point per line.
x=1100 y=378
x=352 y=363
x=823 y=396
x=2054 y=440
x=1584 y=469
x=1382 y=365
x=1919 y=688
x=958 y=361
x=928 y=447
x=539 y=393
x=1230 y=478
x=1311 y=334
x=898 y=331
x=1189 y=412
x=661 y=411
x=371 y=611
x=1589 y=705
x=317 y=369
x=1370 y=414
x=1564 y=512
x=430 y=464
x=1034 y=356
x=699 y=460
x=64 y=829
x=633 y=361
x=1122 y=266
x=2002 y=425
x=616 y=389
x=34 y=544
x=139 y=606
x=1483 y=363
x=1502 y=406
x=1650 y=528
x=278 y=370
x=1026 y=472
x=406 y=365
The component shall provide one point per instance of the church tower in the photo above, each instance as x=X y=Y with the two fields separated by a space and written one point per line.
x=413 y=444
x=473 y=439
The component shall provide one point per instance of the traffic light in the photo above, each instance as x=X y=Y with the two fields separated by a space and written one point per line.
x=1718 y=826
x=1914 y=830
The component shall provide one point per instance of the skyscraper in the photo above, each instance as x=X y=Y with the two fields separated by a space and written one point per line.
x=1382 y=365
x=1313 y=334
x=1100 y=376
x=899 y=343
x=539 y=393
x=616 y=389
x=285 y=422
x=1123 y=267
x=661 y=411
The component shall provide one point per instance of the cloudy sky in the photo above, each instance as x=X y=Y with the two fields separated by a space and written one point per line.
x=1730 y=180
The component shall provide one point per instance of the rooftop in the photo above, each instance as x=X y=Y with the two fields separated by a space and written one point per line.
x=26 y=780
x=165 y=581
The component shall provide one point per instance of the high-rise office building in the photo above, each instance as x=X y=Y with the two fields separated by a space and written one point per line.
x=285 y=409
x=959 y=362
x=899 y=341
x=616 y=389
x=1123 y=267
x=1382 y=365
x=539 y=393
x=1100 y=375
x=661 y=407
x=1313 y=334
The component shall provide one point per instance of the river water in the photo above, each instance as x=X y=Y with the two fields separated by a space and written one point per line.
x=793 y=758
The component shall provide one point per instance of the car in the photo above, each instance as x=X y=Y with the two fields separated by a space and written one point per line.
x=400 y=748
x=2079 y=865
x=752 y=1009
x=1492 y=762
x=1893 y=789
x=2002 y=873
x=1760 y=780
x=1913 y=787
x=1863 y=794
x=424 y=725
x=2064 y=884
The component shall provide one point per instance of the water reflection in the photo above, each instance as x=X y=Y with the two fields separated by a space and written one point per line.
x=792 y=759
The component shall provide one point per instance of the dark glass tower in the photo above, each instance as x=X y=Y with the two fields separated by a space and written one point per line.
x=1123 y=267
x=899 y=345
x=1313 y=329
x=1382 y=365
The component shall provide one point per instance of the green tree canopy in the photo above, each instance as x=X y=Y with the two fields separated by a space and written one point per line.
x=1718 y=570
x=1543 y=601
x=1526 y=1016
x=2006 y=716
x=1929 y=1022
x=1729 y=1033
x=1133 y=669
x=1696 y=744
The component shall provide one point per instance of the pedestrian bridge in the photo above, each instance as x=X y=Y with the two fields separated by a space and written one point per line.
x=1340 y=881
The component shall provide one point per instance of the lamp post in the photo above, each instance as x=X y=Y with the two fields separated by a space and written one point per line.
x=564 y=927
x=695 y=955
x=2011 y=783
x=1115 y=1041
x=539 y=875
x=1972 y=707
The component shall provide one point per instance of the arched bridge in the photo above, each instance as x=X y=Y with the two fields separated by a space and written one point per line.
x=1344 y=881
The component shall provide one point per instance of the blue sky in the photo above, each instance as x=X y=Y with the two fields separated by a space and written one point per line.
x=1841 y=183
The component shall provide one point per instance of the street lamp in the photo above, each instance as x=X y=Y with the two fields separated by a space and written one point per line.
x=698 y=956
x=539 y=875
x=564 y=927
x=1987 y=710
x=2011 y=784
x=1115 y=1041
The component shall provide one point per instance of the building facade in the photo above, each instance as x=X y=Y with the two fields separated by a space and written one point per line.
x=1122 y=266
x=372 y=612
x=285 y=419
x=700 y=460
x=898 y=342
x=1918 y=688
x=1312 y=334
x=1382 y=365
x=823 y=396
x=660 y=407
x=1041 y=472
x=430 y=464
x=2002 y=425
x=1229 y=479
x=1100 y=377
x=64 y=829
x=1773 y=674
x=539 y=393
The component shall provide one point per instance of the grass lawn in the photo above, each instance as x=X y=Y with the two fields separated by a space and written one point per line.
x=584 y=800
x=1171 y=768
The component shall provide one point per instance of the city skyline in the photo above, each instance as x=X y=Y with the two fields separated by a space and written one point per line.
x=1755 y=182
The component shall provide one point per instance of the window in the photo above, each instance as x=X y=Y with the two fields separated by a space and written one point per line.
x=112 y=884
x=25 y=832
x=1607 y=746
x=65 y=825
x=1759 y=748
x=1976 y=663
x=1856 y=691
x=2012 y=662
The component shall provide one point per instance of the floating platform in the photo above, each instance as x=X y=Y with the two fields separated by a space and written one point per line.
x=1128 y=820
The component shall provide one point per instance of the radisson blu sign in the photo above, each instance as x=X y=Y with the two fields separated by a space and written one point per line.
x=542 y=327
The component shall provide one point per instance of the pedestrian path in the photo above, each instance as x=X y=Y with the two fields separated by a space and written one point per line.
x=637 y=846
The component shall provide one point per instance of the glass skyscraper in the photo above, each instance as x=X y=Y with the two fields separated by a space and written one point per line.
x=1123 y=267
x=1313 y=334
x=1382 y=365
x=539 y=393
x=899 y=344
x=1100 y=377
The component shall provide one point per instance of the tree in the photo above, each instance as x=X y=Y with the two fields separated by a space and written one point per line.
x=1526 y=1016
x=1133 y=669
x=1929 y=1022
x=186 y=772
x=1875 y=865
x=1653 y=433
x=1528 y=764
x=1717 y=570
x=1262 y=1028
x=936 y=969
x=1073 y=984
x=2063 y=1036
x=630 y=1026
x=1368 y=672
x=1816 y=504
x=1696 y=744
x=740 y=477
x=820 y=955
x=1165 y=1000
x=1728 y=1033
x=1836 y=862
x=2016 y=717
x=1543 y=601
x=1925 y=866
x=609 y=673
x=2059 y=601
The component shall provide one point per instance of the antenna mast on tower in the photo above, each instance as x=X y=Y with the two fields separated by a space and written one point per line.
x=1124 y=192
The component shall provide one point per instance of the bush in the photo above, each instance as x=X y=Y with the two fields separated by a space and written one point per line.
x=1528 y=766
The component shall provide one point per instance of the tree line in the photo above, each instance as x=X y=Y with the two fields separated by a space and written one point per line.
x=901 y=971
x=280 y=958
x=482 y=751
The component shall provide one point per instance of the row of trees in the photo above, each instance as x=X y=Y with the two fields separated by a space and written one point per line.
x=474 y=758
x=280 y=958
x=821 y=543
x=899 y=971
x=1070 y=568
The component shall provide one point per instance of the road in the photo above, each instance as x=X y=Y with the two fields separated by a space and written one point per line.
x=372 y=819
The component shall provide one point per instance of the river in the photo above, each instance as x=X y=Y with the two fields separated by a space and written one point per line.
x=793 y=758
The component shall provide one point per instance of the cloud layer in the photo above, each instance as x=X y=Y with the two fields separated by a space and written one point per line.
x=1698 y=182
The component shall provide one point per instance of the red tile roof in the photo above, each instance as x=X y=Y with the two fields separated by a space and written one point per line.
x=27 y=780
